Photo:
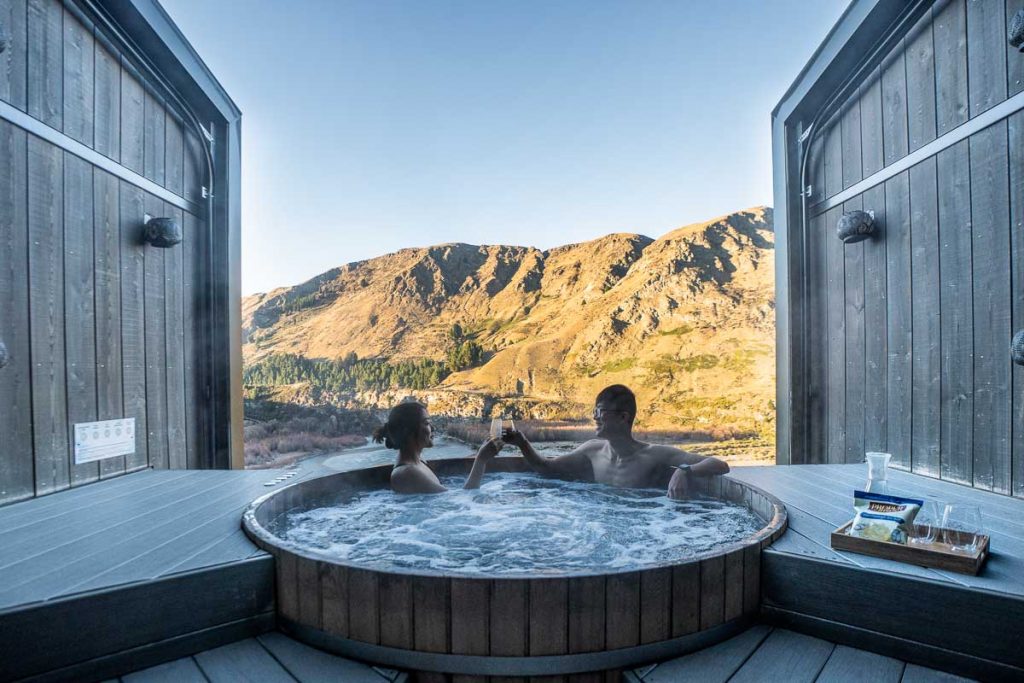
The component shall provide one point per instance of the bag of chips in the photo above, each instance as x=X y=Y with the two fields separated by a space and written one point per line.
x=882 y=517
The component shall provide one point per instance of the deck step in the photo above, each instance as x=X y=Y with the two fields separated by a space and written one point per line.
x=957 y=628
x=106 y=632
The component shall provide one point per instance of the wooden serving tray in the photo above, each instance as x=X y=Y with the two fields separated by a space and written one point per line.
x=937 y=555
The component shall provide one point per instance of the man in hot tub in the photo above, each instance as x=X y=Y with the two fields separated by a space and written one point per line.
x=616 y=458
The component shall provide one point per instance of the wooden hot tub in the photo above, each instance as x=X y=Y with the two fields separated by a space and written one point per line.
x=510 y=625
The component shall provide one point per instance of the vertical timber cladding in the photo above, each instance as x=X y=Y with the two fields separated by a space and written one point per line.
x=909 y=330
x=97 y=325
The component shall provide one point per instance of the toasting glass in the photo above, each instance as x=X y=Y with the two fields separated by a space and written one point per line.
x=962 y=525
x=927 y=523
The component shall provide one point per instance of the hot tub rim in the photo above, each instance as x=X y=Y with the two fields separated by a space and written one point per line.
x=262 y=537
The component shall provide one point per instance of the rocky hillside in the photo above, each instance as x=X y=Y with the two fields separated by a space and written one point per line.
x=687 y=320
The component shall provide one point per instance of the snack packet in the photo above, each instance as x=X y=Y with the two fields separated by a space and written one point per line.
x=882 y=517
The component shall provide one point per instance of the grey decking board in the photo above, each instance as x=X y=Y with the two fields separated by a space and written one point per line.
x=163 y=543
x=786 y=656
x=85 y=562
x=716 y=663
x=75 y=524
x=850 y=665
x=183 y=670
x=125 y=533
x=919 y=674
x=309 y=665
x=39 y=508
x=232 y=547
x=245 y=660
x=198 y=531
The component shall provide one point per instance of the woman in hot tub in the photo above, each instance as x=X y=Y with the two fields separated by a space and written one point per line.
x=408 y=431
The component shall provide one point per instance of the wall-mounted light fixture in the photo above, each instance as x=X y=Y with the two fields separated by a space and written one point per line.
x=1016 y=32
x=856 y=226
x=1017 y=348
x=161 y=232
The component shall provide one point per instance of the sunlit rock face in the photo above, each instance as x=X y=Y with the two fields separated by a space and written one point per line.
x=687 y=320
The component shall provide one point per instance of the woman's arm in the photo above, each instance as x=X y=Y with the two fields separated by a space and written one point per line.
x=487 y=452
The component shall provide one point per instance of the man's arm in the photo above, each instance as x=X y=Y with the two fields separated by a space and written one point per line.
x=574 y=465
x=699 y=466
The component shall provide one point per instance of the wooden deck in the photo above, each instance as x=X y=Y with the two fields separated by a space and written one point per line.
x=758 y=654
x=950 y=621
x=140 y=566
x=153 y=566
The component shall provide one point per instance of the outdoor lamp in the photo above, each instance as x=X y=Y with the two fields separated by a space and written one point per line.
x=161 y=232
x=1017 y=348
x=1015 y=34
x=856 y=226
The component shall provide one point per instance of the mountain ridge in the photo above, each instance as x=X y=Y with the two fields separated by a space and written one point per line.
x=687 y=319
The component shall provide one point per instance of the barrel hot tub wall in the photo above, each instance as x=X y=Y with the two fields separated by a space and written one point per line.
x=510 y=625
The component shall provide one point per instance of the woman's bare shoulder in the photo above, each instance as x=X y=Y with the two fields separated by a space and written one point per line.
x=415 y=479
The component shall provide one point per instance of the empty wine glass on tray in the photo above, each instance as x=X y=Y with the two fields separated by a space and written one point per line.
x=962 y=524
x=927 y=524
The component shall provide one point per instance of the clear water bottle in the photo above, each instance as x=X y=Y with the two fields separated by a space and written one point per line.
x=878 y=466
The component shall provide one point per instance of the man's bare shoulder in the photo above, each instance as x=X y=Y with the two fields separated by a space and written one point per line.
x=663 y=452
x=592 y=446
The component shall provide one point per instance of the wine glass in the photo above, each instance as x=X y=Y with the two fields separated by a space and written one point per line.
x=496 y=428
x=962 y=525
x=925 y=528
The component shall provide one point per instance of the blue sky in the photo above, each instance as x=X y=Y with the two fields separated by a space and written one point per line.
x=380 y=124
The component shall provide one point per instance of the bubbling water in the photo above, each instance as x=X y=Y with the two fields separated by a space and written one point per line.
x=517 y=524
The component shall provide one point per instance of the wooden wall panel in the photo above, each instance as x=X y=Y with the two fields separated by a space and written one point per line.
x=46 y=308
x=45 y=61
x=817 y=345
x=894 y=107
x=79 y=80
x=957 y=315
x=107 y=138
x=986 y=54
x=133 y=320
x=990 y=218
x=853 y=267
x=920 y=61
x=1016 y=157
x=899 y=326
x=193 y=279
x=109 y=375
x=156 y=346
x=79 y=306
x=13 y=70
x=16 y=466
x=872 y=155
x=850 y=126
x=876 y=347
x=133 y=99
x=925 y=331
x=835 y=336
x=174 y=274
x=950 y=33
x=154 y=121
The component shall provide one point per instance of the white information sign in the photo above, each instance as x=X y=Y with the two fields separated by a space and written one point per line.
x=108 y=439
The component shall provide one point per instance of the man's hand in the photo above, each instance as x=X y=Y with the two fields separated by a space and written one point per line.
x=679 y=485
x=514 y=437
x=489 y=449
